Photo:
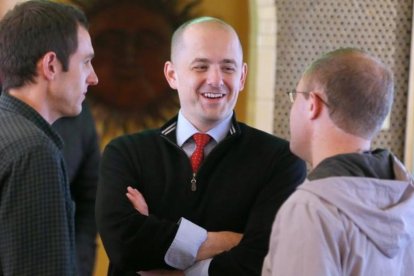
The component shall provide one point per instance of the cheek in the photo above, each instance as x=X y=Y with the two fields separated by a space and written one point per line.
x=294 y=137
x=235 y=82
x=233 y=99
x=292 y=112
x=293 y=122
x=230 y=84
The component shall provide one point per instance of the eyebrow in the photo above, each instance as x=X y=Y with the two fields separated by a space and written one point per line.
x=205 y=60
x=229 y=61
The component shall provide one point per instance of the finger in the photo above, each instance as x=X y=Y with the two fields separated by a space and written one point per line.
x=130 y=197
x=135 y=193
x=132 y=190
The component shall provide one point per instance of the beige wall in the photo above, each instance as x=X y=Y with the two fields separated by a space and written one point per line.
x=5 y=5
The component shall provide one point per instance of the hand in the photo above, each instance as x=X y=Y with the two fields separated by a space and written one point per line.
x=137 y=200
x=218 y=242
x=161 y=272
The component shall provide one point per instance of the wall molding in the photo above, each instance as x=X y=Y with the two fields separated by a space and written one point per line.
x=262 y=65
x=409 y=134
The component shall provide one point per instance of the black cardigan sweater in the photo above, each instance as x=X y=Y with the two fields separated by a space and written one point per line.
x=240 y=186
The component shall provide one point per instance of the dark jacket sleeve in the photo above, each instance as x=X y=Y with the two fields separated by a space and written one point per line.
x=132 y=241
x=283 y=175
x=37 y=225
x=82 y=156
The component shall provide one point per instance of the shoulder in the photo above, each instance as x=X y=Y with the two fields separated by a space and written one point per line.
x=307 y=203
x=307 y=232
x=131 y=143
x=271 y=150
x=138 y=137
x=20 y=135
x=257 y=135
x=270 y=146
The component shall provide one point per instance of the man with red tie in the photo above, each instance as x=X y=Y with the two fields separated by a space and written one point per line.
x=204 y=188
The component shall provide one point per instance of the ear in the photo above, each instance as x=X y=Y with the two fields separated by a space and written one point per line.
x=243 y=76
x=315 y=106
x=170 y=74
x=49 y=65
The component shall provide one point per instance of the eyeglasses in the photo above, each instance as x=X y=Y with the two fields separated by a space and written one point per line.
x=292 y=95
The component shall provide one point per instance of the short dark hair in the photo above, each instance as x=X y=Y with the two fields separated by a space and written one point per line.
x=358 y=86
x=30 y=30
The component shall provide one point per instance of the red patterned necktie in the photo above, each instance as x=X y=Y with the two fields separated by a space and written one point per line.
x=201 y=140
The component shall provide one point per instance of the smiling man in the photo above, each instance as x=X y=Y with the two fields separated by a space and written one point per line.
x=45 y=66
x=204 y=188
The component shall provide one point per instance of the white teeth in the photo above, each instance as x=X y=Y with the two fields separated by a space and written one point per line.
x=213 y=95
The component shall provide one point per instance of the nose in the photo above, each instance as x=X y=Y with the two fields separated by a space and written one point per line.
x=92 y=78
x=215 y=77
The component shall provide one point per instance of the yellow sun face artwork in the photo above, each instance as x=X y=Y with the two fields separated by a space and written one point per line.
x=131 y=39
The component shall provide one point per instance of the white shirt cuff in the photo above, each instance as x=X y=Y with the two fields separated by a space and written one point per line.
x=184 y=248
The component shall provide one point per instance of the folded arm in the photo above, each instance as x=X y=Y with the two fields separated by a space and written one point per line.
x=133 y=241
x=232 y=253
x=215 y=243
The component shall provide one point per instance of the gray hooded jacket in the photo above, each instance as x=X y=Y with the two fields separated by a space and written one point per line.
x=353 y=216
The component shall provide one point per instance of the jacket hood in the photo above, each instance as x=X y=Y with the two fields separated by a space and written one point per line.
x=382 y=208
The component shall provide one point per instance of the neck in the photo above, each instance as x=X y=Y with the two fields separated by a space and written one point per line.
x=337 y=142
x=202 y=124
x=33 y=97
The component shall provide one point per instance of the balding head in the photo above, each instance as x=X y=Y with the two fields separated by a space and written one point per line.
x=359 y=89
x=177 y=42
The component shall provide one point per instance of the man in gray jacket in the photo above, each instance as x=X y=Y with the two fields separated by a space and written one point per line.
x=354 y=214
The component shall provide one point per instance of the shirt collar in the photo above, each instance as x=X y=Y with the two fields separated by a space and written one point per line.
x=186 y=130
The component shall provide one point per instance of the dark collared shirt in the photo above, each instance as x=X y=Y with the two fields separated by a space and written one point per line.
x=36 y=210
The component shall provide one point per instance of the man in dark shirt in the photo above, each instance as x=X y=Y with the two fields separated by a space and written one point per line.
x=81 y=153
x=45 y=67
x=213 y=219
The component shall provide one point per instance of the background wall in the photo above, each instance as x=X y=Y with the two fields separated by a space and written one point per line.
x=6 y=5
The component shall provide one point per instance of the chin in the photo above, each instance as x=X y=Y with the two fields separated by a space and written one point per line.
x=74 y=112
x=216 y=115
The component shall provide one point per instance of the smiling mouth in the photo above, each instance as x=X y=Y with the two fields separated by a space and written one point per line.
x=213 y=95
